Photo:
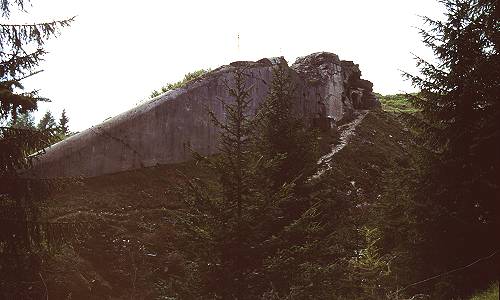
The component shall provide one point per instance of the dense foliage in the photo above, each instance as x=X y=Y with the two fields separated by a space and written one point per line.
x=490 y=294
x=22 y=121
x=451 y=197
x=63 y=127
x=259 y=227
x=23 y=235
x=409 y=208
x=47 y=121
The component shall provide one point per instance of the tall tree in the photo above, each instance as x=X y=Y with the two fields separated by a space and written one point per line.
x=250 y=231
x=47 y=121
x=23 y=121
x=283 y=133
x=460 y=105
x=23 y=235
x=63 y=128
x=223 y=210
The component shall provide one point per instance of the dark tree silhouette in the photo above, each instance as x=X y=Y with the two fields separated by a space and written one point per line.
x=23 y=235
x=63 y=128
x=460 y=105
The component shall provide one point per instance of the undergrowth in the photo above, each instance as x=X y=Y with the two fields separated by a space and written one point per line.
x=490 y=294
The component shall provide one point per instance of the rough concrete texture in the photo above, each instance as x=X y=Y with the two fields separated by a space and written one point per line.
x=163 y=130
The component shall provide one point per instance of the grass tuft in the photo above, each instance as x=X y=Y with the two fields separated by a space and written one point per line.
x=490 y=294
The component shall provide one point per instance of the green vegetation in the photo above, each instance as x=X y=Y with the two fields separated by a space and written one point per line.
x=47 y=121
x=25 y=237
x=54 y=131
x=153 y=244
x=172 y=86
x=258 y=213
x=22 y=121
x=370 y=270
x=399 y=103
x=408 y=208
x=63 y=128
x=146 y=251
x=490 y=294
x=454 y=198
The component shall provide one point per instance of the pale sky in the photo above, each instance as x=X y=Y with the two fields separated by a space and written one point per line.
x=117 y=52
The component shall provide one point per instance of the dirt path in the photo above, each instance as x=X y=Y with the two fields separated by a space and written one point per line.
x=347 y=131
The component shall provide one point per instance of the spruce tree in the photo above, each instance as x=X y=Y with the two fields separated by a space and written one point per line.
x=23 y=235
x=62 y=129
x=460 y=105
x=23 y=121
x=251 y=232
x=222 y=211
x=311 y=234
x=284 y=133
x=47 y=122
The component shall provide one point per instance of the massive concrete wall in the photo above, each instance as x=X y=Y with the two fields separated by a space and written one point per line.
x=163 y=130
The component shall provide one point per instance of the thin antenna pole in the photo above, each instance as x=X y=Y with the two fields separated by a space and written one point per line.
x=238 y=45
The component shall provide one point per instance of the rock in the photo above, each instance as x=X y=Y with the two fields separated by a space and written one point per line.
x=364 y=84
x=357 y=98
x=324 y=83
x=370 y=101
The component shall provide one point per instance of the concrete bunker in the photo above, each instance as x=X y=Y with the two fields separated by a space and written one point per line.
x=159 y=131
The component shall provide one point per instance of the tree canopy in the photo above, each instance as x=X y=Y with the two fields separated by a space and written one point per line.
x=460 y=107
x=47 y=121
x=23 y=235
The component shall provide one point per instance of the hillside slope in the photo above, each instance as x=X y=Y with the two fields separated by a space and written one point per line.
x=127 y=249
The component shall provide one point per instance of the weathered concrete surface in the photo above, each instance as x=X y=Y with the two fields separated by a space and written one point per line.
x=163 y=130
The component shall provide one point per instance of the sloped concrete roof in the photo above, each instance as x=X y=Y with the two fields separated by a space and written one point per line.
x=162 y=130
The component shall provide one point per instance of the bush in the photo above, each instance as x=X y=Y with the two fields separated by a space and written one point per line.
x=172 y=86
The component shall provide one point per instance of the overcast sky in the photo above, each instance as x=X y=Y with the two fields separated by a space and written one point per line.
x=117 y=52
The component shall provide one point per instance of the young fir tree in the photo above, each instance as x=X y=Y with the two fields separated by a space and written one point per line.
x=23 y=235
x=460 y=105
x=369 y=270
